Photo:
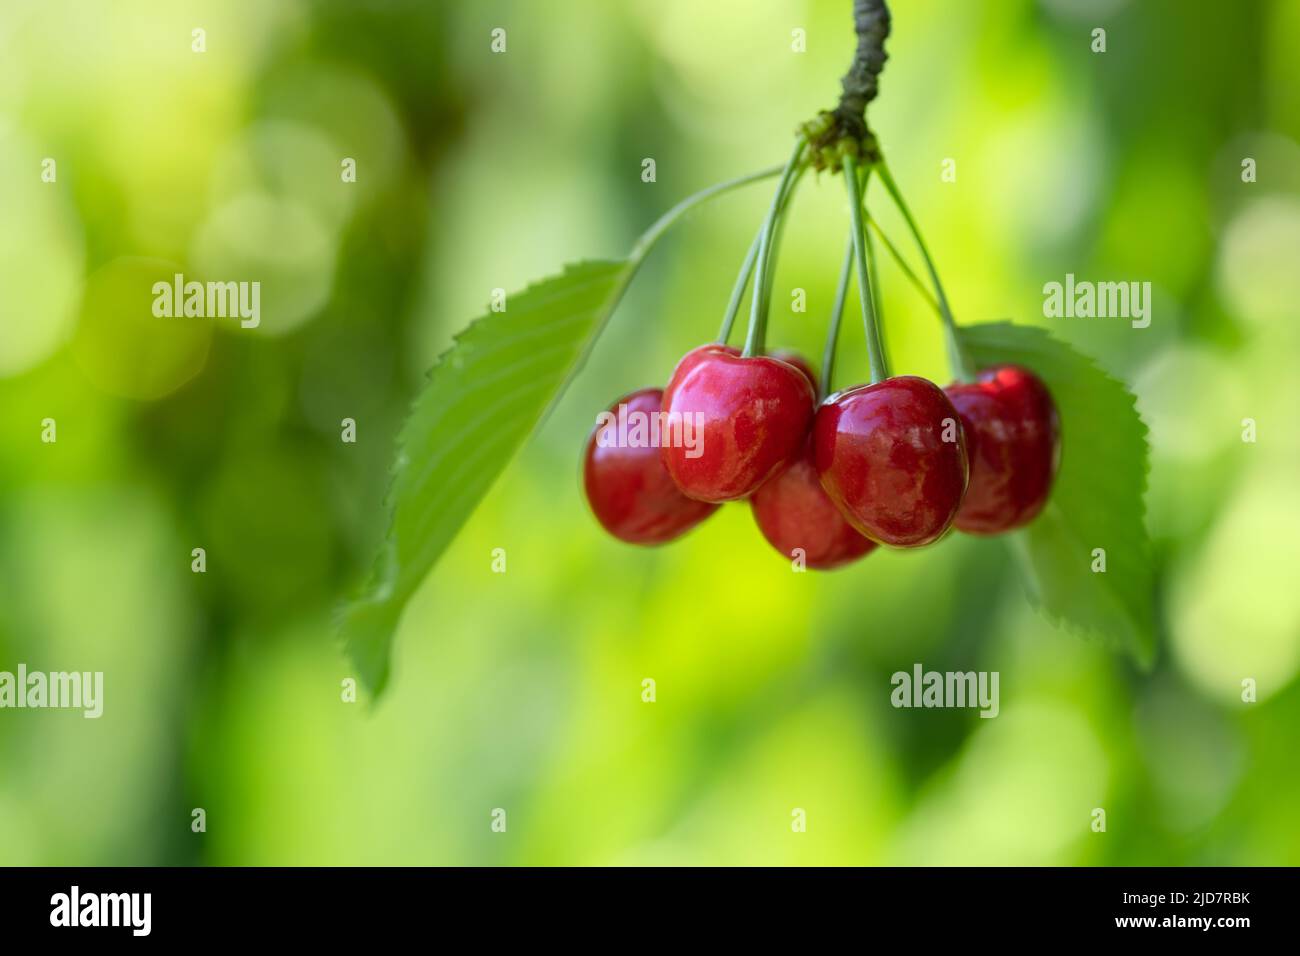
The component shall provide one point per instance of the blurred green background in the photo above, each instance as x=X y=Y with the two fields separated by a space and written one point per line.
x=522 y=690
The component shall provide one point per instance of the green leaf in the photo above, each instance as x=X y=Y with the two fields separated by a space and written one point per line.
x=484 y=397
x=1098 y=499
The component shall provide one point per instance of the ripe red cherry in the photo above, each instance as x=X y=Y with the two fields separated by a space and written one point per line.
x=791 y=357
x=793 y=511
x=1013 y=438
x=627 y=487
x=892 y=457
x=747 y=416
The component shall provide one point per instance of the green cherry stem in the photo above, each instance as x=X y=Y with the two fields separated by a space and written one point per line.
x=738 y=292
x=661 y=225
x=770 y=278
x=756 y=336
x=875 y=352
x=873 y=270
x=907 y=270
x=956 y=355
x=747 y=267
x=837 y=312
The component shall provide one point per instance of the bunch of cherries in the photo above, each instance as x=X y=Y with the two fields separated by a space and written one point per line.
x=896 y=462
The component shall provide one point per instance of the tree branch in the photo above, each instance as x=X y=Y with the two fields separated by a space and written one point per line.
x=846 y=125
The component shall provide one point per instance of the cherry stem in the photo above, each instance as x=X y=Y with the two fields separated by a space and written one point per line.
x=837 y=312
x=747 y=267
x=961 y=366
x=738 y=292
x=661 y=225
x=875 y=351
x=756 y=337
x=770 y=278
x=874 y=271
x=907 y=270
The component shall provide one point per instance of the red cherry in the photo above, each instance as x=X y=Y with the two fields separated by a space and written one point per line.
x=745 y=418
x=1013 y=438
x=793 y=511
x=791 y=357
x=892 y=457
x=627 y=487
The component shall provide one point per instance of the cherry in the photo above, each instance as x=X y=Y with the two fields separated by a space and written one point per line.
x=791 y=357
x=627 y=487
x=793 y=511
x=1013 y=437
x=892 y=457
x=747 y=416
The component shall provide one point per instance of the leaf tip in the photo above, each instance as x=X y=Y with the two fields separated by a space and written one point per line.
x=366 y=627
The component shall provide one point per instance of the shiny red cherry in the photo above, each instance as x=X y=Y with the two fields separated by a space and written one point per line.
x=1013 y=438
x=892 y=457
x=737 y=421
x=627 y=487
x=791 y=357
x=793 y=511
